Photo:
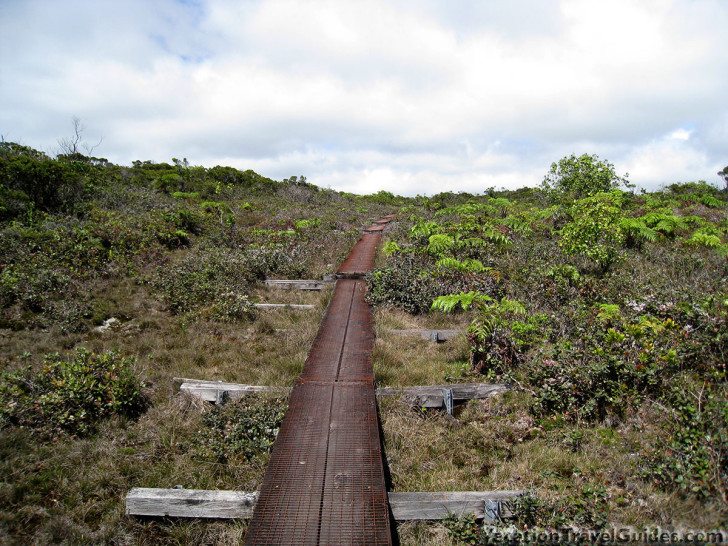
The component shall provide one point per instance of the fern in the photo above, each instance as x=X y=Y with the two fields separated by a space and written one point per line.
x=636 y=231
x=608 y=312
x=472 y=242
x=450 y=263
x=424 y=229
x=391 y=247
x=502 y=204
x=448 y=303
x=496 y=238
x=494 y=315
x=517 y=224
x=474 y=266
x=513 y=307
x=466 y=266
x=707 y=200
x=700 y=238
x=439 y=244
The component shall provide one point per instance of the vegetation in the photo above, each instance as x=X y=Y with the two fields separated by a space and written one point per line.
x=607 y=310
x=114 y=280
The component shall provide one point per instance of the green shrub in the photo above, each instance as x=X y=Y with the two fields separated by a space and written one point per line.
x=51 y=185
x=72 y=394
x=583 y=176
x=235 y=432
x=694 y=455
x=204 y=279
x=464 y=529
x=594 y=231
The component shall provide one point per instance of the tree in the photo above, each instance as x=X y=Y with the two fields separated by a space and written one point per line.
x=724 y=175
x=71 y=146
x=583 y=176
x=595 y=231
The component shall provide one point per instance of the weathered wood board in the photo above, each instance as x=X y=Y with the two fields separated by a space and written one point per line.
x=213 y=391
x=190 y=503
x=425 y=397
x=197 y=503
x=303 y=284
x=437 y=505
x=432 y=396
x=434 y=335
x=283 y=306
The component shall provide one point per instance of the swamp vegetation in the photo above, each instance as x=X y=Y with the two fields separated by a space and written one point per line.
x=606 y=309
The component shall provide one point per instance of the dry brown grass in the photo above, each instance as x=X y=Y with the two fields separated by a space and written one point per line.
x=73 y=490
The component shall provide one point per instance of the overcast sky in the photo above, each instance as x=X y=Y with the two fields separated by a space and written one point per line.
x=411 y=96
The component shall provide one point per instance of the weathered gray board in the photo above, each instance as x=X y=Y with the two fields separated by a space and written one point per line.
x=435 y=335
x=297 y=284
x=197 y=503
x=283 y=306
x=432 y=396
x=424 y=397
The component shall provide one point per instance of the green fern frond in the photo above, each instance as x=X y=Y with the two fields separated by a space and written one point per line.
x=391 y=247
x=424 y=229
x=449 y=263
x=472 y=242
x=513 y=307
x=448 y=303
x=474 y=266
x=700 y=238
x=439 y=244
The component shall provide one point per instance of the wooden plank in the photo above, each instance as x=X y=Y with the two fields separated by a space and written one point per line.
x=198 y=503
x=432 y=396
x=436 y=335
x=190 y=503
x=424 y=397
x=283 y=306
x=437 y=505
x=303 y=284
x=212 y=391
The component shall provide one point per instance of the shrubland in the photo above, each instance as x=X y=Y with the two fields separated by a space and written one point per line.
x=608 y=313
x=115 y=279
x=605 y=309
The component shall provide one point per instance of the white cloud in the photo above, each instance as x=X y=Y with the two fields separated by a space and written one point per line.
x=404 y=95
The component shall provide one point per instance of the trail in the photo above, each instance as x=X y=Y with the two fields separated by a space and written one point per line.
x=325 y=479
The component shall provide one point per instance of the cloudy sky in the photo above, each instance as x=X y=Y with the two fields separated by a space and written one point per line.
x=411 y=96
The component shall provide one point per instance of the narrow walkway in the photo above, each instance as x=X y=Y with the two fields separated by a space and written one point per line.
x=325 y=480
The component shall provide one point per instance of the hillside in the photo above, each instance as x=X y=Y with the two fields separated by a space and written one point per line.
x=606 y=310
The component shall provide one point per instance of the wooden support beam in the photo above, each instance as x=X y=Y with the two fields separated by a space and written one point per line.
x=197 y=503
x=432 y=396
x=424 y=397
x=283 y=306
x=190 y=503
x=297 y=284
x=214 y=391
x=434 y=335
x=437 y=505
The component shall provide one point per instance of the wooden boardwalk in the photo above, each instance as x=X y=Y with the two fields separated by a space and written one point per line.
x=325 y=480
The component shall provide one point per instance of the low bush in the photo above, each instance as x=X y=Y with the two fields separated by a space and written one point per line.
x=238 y=431
x=71 y=394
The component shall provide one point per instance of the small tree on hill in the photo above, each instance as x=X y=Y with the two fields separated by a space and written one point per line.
x=583 y=176
x=724 y=175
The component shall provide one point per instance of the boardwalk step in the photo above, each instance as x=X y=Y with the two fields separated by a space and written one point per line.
x=199 y=503
x=430 y=396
